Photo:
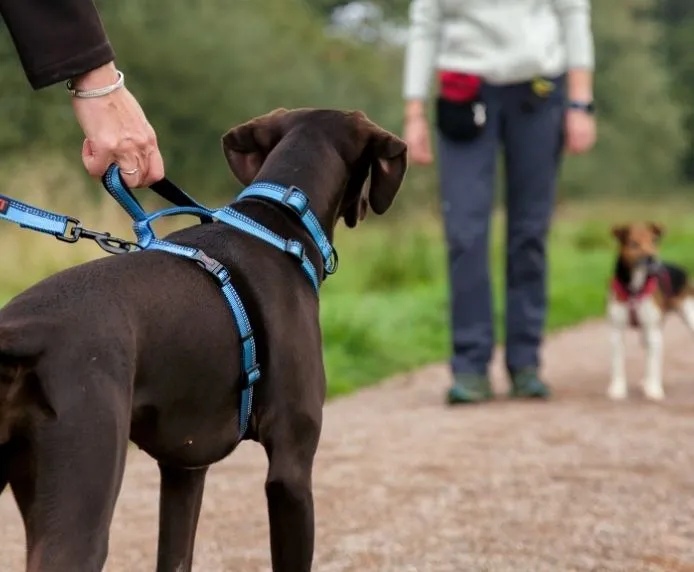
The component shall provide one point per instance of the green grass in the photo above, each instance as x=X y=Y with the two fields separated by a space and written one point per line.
x=386 y=310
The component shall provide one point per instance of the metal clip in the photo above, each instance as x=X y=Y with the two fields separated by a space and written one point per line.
x=75 y=231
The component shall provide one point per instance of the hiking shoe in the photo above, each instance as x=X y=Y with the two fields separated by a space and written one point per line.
x=470 y=388
x=526 y=384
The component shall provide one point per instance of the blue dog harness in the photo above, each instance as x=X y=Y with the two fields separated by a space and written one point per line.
x=69 y=229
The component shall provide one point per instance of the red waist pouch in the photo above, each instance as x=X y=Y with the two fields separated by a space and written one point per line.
x=459 y=87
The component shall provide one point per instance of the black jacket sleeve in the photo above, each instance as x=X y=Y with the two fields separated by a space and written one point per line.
x=56 y=39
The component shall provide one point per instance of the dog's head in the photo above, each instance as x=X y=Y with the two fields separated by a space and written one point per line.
x=638 y=243
x=316 y=136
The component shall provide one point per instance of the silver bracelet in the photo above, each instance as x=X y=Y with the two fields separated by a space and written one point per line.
x=98 y=92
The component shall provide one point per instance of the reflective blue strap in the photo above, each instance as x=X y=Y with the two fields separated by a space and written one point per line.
x=251 y=369
x=143 y=229
x=231 y=217
x=27 y=216
x=118 y=190
x=298 y=202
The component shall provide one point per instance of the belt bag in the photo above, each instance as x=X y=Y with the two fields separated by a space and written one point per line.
x=461 y=114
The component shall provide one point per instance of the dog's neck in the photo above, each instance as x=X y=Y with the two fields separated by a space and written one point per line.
x=315 y=167
x=633 y=279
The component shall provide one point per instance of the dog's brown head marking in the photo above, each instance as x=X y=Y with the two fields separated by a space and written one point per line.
x=638 y=242
x=361 y=145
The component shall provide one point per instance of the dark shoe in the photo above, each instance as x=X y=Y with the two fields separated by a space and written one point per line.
x=470 y=388
x=526 y=384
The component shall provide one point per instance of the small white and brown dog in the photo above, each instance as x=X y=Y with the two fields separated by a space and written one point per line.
x=643 y=291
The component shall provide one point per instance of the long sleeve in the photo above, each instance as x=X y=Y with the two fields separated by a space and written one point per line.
x=422 y=46
x=574 y=16
x=56 y=39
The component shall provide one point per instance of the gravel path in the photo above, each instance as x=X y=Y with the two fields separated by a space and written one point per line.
x=404 y=484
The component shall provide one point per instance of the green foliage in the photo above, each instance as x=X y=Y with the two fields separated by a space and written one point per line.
x=678 y=16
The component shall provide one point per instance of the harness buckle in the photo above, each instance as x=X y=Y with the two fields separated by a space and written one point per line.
x=332 y=263
x=295 y=248
x=212 y=266
x=250 y=376
x=303 y=202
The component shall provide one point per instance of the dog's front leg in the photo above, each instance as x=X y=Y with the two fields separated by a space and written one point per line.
x=650 y=317
x=290 y=498
x=618 y=314
x=179 y=508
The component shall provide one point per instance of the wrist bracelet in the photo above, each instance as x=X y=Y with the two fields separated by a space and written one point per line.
x=586 y=107
x=98 y=92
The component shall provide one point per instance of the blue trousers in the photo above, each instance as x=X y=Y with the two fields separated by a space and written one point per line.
x=532 y=141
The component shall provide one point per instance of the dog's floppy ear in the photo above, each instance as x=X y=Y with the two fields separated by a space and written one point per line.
x=386 y=156
x=620 y=232
x=657 y=229
x=246 y=146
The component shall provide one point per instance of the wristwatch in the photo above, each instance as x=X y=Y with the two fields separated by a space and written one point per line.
x=587 y=107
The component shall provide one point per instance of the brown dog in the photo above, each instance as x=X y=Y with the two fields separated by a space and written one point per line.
x=644 y=290
x=142 y=346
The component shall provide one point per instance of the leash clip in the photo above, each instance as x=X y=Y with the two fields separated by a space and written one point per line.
x=74 y=231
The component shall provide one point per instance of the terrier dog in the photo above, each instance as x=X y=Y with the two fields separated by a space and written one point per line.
x=643 y=291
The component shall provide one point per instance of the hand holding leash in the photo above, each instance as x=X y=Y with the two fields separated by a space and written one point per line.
x=115 y=127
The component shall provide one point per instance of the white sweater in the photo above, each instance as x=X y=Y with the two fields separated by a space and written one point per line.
x=503 y=41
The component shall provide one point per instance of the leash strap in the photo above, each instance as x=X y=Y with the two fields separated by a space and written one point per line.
x=34 y=218
x=296 y=201
x=62 y=227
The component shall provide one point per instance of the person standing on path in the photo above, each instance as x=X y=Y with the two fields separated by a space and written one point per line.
x=65 y=41
x=517 y=73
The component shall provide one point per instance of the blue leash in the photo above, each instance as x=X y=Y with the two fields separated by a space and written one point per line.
x=69 y=229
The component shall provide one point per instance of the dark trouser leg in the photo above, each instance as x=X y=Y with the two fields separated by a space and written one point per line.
x=533 y=142
x=467 y=187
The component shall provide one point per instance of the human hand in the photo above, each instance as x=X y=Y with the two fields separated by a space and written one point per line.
x=580 y=131
x=416 y=135
x=116 y=131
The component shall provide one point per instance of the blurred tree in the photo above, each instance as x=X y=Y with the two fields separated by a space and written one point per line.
x=640 y=139
x=678 y=17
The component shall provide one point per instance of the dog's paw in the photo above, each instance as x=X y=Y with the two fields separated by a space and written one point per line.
x=653 y=391
x=617 y=390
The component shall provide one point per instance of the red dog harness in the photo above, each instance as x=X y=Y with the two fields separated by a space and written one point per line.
x=622 y=294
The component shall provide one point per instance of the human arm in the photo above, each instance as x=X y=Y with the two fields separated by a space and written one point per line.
x=56 y=40
x=59 y=40
x=574 y=17
x=420 y=55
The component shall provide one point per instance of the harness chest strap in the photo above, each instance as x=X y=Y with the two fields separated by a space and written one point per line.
x=625 y=296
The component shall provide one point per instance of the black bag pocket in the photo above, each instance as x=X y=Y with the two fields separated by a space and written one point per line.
x=460 y=121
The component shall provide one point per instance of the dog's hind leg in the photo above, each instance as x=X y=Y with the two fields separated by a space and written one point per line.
x=67 y=479
x=179 y=508
x=686 y=310
x=288 y=488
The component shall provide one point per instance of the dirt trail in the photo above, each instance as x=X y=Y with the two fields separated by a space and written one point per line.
x=404 y=484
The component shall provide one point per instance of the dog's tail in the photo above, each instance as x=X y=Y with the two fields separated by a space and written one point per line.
x=21 y=394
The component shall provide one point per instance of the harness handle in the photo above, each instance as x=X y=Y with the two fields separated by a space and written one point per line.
x=115 y=185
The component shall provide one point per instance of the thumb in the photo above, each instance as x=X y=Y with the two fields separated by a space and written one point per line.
x=95 y=162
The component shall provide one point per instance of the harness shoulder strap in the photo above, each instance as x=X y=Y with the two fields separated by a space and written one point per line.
x=296 y=200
